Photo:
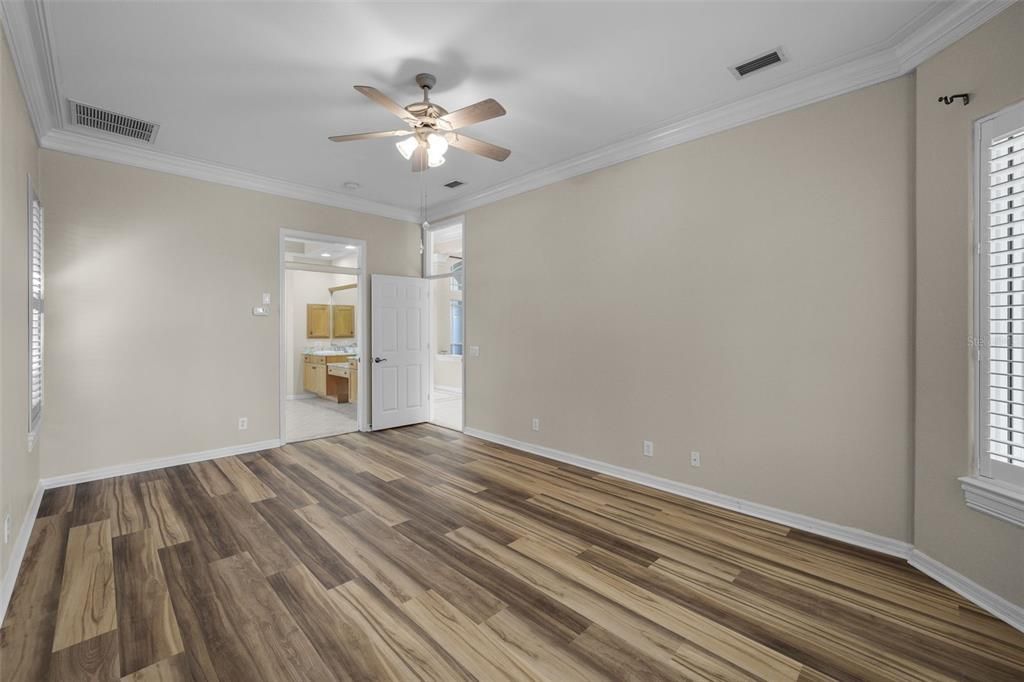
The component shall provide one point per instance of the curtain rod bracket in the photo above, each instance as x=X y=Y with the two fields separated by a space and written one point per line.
x=949 y=99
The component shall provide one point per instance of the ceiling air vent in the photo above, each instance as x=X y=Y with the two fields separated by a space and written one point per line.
x=113 y=123
x=758 y=63
x=454 y=183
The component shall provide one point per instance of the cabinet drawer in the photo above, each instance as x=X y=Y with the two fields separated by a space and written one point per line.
x=338 y=371
x=314 y=359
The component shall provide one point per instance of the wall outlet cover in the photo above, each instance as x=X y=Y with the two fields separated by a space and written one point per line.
x=648 y=448
x=474 y=351
x=535 y=425
x=694 y=458
x=243 y=423
x=266 y=299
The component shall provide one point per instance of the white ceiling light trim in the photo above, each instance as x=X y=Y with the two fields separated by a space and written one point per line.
x=27 y=31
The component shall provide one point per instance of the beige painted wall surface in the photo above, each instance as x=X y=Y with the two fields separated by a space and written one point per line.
x=152 y=348
x=746 y=295
x=988 y=64
x=19 y=158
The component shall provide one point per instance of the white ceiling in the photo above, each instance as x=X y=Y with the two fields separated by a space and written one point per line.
x=258 y=86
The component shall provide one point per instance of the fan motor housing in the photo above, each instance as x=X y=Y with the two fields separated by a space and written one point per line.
x=428 y=110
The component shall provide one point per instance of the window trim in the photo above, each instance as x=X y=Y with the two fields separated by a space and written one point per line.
x=35 y=304
x=983 y=489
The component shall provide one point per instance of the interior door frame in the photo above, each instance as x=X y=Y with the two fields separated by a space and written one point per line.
x=363 y=385
x=425 y=269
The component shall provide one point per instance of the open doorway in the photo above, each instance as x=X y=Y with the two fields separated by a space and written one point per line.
x=445 y=266
x=322 y=324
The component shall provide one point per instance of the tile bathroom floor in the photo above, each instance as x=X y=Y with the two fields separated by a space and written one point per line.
x=317 y=418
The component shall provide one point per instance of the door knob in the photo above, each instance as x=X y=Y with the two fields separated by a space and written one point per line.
x=380 y=359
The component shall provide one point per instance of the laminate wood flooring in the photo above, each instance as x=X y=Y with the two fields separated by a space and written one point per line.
x=423 y=554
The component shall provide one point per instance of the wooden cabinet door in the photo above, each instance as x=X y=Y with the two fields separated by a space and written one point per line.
x=321 y=380
x=318 y=321
x=344 y=321
x=353 y=382
x=309 y=377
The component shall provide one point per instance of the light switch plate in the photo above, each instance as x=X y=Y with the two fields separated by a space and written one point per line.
x=260 y=311
x=266 y=299
x=474 y=351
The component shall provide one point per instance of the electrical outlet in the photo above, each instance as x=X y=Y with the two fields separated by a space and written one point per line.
x=694 y=458
x=648 y=448
x=266 y=299
x=474 y=351
x=243 y=423
x=536 y=424
x=7 y=528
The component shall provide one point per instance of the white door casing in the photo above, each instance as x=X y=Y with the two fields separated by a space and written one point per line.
x=401 y=355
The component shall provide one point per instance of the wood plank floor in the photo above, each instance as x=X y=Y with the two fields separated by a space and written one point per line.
x=423 y=554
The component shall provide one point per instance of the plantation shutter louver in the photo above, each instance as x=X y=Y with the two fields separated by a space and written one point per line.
x=36 y=313
x=1002 y=303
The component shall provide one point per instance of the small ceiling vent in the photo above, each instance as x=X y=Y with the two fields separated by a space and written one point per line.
x=113 y=123
x=454 y=183
x=758 y=63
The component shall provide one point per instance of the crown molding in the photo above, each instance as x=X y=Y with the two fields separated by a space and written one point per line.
x=24 y=24
x=28 y=35
x=938 y=32
x=944 y=29
x=143 y=157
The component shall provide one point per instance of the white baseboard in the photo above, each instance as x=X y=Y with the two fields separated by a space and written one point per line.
x=449 y=389
x=988 y=600
x=852 y=536
x=301 y=396
x=991 y=602
x=18 y=551
x=159 y=463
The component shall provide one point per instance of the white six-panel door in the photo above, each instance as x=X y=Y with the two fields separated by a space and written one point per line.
x=401 y=356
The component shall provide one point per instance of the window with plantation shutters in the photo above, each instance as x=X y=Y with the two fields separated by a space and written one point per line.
x=36 y=314
x=1001 y=297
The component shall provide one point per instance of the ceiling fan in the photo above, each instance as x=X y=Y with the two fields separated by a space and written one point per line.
x=431 y=128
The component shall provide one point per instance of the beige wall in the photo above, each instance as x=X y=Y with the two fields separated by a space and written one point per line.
x=301 y=288
x=989 y=64
x=747 y=295
x=152 y=349
x=19 y=158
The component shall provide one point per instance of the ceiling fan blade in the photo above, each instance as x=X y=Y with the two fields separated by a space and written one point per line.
x=474 y=113
x=369 y=136
x=479 y=147
x=386 y=102
x=419 y=160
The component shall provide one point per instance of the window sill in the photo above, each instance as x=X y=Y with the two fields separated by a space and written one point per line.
x=993 y=497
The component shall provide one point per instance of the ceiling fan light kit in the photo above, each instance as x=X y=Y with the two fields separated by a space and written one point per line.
x=432 y=129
